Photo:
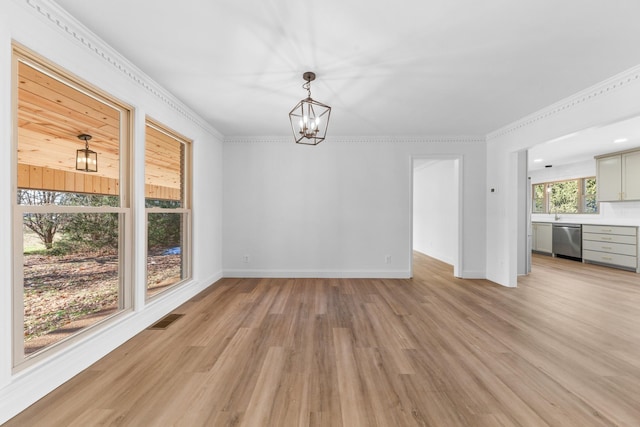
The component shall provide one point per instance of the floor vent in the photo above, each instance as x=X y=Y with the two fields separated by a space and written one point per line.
x=166 y=321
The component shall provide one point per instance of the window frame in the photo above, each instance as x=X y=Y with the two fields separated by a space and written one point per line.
x=20 y=361
x=545 y=198
x=185 y=210
x=581 y=196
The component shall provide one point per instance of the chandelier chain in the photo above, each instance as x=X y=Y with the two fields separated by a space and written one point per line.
x=307 y=85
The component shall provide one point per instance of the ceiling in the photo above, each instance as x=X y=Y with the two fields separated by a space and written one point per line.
x=586 y=144
x=387 y=67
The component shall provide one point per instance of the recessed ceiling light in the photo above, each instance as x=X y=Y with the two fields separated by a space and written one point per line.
x=620 y=140
x=537 y=160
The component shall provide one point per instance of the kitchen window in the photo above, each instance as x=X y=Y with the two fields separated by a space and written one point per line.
x=574 y=196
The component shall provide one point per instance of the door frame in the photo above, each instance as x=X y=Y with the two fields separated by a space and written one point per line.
x=458 y=270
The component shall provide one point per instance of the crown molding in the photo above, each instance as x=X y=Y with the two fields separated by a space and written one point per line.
x=592 y=93
x=429 y=139
x=71 y=27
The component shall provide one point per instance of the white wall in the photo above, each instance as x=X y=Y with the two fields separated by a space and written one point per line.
x=339 y=208
x=435 y=208
x=612 y=100
x=50 y=32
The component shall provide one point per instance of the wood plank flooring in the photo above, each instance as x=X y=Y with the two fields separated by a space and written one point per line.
x=562 y=349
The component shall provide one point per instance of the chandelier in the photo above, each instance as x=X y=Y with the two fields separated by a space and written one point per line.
x=309 y=118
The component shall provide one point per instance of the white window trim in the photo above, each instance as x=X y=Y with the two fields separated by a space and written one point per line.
x=125 y=237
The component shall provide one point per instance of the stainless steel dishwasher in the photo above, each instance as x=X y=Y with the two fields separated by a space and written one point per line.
x=567 y=240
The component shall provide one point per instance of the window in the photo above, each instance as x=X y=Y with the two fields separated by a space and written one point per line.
x=574 y=196
x=563 y=196
x=167 y=201
x=539 y=198
x=589 y=201
x=70 y=226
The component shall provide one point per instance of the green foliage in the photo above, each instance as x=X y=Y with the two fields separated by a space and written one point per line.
x=36 y=252
x=166 y=204
x=571 y=196
x=92 y=230
x=564 y=197
x=164 y=230
x=65 y=246
x=81 y=231
x=591 y=189
x=538 y=198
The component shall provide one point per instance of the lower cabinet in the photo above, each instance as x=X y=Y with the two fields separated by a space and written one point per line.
x=542 y=237
x=616 y=246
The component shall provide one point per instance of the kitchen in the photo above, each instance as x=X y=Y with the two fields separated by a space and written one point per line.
x=585 y=195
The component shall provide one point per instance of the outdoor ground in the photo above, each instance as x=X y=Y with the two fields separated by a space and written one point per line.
x=63 y=294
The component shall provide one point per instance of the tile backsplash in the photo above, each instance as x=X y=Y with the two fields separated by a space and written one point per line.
x=617 y=213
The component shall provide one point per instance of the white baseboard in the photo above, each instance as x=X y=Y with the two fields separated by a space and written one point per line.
x=322 y=274
x=470 y=274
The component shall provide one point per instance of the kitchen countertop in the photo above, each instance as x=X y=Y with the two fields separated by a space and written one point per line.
x=625 y=222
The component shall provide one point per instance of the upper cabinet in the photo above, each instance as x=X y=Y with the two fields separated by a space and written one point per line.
x=609 y=177
x=618 y=176
x=631 y=176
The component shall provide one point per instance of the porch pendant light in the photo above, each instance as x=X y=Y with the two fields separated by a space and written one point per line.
x=86 y=160
x=309 y=118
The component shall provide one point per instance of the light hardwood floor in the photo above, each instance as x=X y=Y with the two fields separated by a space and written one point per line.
x=562 y=349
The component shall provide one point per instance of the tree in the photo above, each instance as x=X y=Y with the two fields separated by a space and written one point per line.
x=590 y=198
x=45 y=225
x=164 y=228
x=538 y=198
x=96 y=230
x=564 y=197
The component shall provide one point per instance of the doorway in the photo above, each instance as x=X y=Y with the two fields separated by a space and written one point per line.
x=437 y=209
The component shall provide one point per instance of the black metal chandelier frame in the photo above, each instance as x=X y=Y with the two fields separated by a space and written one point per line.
x=309 y=118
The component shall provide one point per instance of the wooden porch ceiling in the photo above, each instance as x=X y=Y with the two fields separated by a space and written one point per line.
x=51 y=114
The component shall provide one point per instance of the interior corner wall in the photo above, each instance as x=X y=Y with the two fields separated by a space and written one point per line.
x=435 y=209
x=338 y=209
x=44 y=28
x=612 y=100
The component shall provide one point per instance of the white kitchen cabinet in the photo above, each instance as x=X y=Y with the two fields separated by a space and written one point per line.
x=616 y=246
x=609 y=178
x=618 y=176
x=631 y=176
x=541 y=237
